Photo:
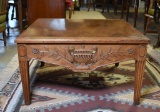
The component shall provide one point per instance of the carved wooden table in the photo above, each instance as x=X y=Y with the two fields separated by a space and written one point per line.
x=81 y=45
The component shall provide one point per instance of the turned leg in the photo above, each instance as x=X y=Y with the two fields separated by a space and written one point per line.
x=128 y=5
x=147 y=26
x=139 y=72
x=4 y=38
x=104 y=4
x=89 y=5
x=93 y=3
x=12 y=16
x=122 y=9
x=147 y=3
x=70 y=12
x=158 y=40
x=20 y=15
x=136 y=11
x=115 y=4
x=107 y=2
x=24 y=70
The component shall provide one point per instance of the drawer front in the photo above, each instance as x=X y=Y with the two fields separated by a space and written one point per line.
x=84 y=57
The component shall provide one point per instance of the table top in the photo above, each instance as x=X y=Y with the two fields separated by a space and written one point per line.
x=81 y=31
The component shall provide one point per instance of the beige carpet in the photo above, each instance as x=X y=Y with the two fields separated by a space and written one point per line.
x=83 y=14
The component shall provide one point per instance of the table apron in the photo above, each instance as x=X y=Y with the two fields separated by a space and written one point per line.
x=83 y=57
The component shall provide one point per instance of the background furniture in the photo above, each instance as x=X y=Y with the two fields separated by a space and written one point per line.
x=3 y=16
x=41 y=9
x=125 y=6
x=70 y=7
x=98 y=2
x=81 y=3
x=136 y=6
x=149 y=16
x=157 y=21
x=18 y=13
x=127 y=3
x=22 y=10
x=106 y=3
x=152 y=16
x=45 y=9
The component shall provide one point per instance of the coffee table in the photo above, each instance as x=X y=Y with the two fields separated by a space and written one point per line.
x=81 y=45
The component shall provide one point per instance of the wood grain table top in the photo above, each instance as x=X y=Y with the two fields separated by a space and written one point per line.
x=81 y=31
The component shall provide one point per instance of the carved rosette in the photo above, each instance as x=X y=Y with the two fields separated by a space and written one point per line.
x=82 y=57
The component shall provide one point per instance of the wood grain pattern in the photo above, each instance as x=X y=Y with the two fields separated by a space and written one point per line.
x=81 y=31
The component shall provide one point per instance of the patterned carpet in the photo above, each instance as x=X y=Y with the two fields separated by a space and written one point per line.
x=11 y=86
x=108 y=89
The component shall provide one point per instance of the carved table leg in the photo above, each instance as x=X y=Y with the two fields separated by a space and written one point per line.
x=24 y=70
x=139 y=72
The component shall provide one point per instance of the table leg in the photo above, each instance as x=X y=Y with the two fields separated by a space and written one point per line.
x=146 y=7
x=80 y=3
x=89 y=5
x=139 y=72
x=128 y=5
x=122 y=9
x=93 y=3
x=158 y=40
x=24 y=70
x=115 y=4
x=104 y=4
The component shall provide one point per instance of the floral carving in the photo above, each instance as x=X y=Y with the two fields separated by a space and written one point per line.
x=83 y=56
x=112 y=54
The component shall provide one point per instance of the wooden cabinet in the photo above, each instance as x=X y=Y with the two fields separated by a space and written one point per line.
x=45 y=9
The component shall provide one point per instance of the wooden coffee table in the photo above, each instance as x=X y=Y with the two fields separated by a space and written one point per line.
x=81 y=45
